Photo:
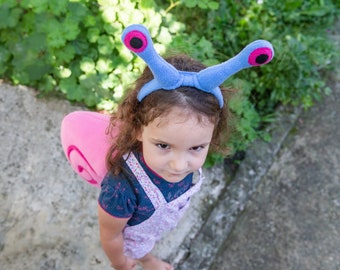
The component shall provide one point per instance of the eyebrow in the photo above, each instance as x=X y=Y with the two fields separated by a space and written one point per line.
x=154 y=140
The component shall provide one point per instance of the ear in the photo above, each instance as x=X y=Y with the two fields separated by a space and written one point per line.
x=139 y=134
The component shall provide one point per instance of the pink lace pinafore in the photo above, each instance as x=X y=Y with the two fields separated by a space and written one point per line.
x=140 y=239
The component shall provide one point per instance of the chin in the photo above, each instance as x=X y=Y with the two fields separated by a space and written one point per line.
x=174 y=178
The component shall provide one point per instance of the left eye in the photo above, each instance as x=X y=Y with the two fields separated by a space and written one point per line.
x=162 y=146
x=197 y=148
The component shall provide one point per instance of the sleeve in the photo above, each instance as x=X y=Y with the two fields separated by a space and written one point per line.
x=117 y=198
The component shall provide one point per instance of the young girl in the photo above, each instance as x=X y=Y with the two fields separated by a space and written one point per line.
x=167 y=123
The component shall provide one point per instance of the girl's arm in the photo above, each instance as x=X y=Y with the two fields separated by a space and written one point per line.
x=111 y=238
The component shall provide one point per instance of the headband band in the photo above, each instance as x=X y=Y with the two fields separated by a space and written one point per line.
x=138 y=40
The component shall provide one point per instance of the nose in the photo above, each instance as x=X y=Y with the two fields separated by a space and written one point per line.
x=179 y=163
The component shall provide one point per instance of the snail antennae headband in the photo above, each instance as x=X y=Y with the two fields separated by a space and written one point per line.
x=138 y=40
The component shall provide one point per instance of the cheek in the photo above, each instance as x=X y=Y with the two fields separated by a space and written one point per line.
x=150 y=154
x=154 y=162
x=199 y=161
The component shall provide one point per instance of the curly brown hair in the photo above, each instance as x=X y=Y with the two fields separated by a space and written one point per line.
x=132 y=115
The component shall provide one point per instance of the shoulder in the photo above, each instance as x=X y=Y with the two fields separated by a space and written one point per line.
x=120 y=182
x=117 y=196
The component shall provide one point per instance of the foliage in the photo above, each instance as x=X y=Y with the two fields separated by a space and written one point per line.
x=301 y=56
x=73 y=48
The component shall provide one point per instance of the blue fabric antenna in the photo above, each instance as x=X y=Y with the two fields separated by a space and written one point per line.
x=137 y=39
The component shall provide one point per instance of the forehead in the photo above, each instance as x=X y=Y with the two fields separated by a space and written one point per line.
x=180 y=129
x=177 y=116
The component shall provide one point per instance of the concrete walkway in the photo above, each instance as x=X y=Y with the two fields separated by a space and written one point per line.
x=293 y=219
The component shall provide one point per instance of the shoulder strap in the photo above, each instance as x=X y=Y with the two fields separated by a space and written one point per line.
x=155 y=195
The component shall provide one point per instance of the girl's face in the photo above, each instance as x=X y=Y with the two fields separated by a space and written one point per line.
x=176 y=144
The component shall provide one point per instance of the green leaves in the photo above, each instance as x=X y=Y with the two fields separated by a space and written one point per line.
x=298 y=32
x=11 y=14
x=74 y=47
x=203 y=4
x=106 y=44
